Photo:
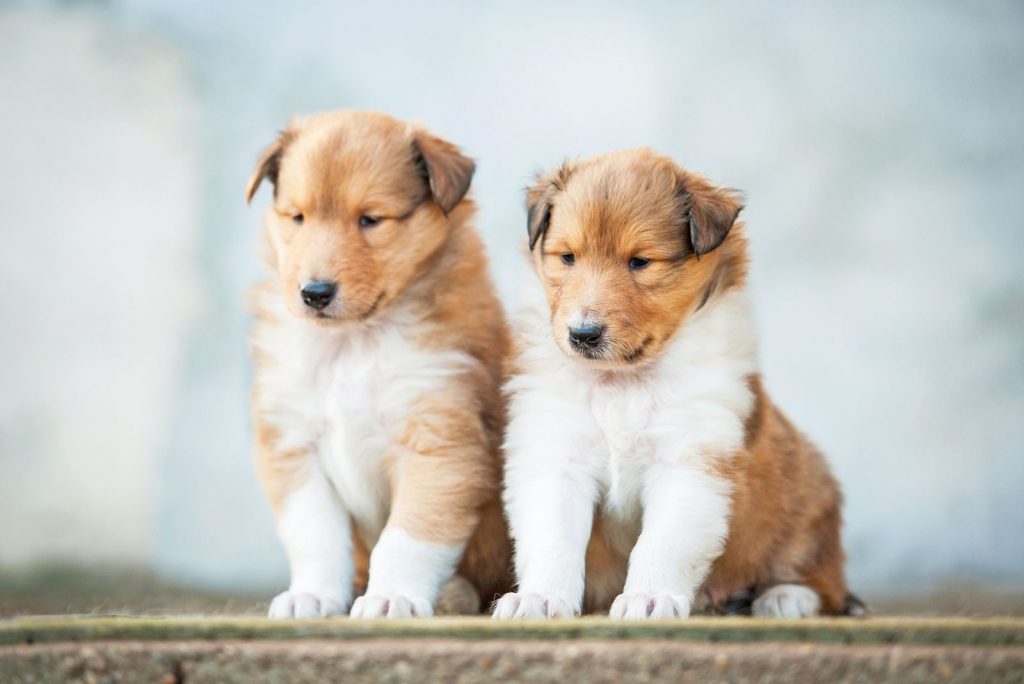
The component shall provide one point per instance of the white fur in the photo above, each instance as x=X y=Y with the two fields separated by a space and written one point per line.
x=640 y=444
x=390 y=580
x=318 y=542
x=343 y=395
x=787 y=601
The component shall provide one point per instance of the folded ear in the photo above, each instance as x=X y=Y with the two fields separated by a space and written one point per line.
x=449 y=171
x=540 y=199
x=269 y=164
x=710 y=211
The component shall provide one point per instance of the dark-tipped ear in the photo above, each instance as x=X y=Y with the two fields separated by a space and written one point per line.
x=269 y=164
x=538 y=210
x=710 y=212
x=540 y=199
x=449 y=171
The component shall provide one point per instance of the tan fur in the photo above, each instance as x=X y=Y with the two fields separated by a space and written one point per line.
x=627 y=208
x=605 y=570
x=786 y=516
x=280 y=470
x=332 y=169
x=785 y=523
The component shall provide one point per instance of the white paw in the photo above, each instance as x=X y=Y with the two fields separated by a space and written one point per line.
x=302 y=605
x=531 y=606
x=644 y=606
x=786 y=601
x=374 y=606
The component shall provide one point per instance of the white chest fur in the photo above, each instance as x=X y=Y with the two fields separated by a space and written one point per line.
x=620 y=413
x=689 y=404
x=638 y=443
x=344 y=395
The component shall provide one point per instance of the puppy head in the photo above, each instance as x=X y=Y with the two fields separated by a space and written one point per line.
x=361 y=205
x=628 y=245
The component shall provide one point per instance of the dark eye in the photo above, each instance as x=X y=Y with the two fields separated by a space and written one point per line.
x=637 y=263
x=368 y=221
x=298 y=218
x=568 y=258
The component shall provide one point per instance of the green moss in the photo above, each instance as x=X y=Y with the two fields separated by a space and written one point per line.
x=956 y=631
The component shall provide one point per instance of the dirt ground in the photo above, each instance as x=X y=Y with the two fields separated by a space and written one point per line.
x=56 y=590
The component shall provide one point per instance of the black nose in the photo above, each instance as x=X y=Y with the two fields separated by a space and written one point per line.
x=586 y=336
x=319 y=295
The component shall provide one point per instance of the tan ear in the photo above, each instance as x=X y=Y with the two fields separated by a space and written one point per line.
x=540 y=200
x=449 y=171
x=269 y=164
x=710 y=211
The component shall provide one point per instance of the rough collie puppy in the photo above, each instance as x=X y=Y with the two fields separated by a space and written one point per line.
x=378 y=349
x=646 y=468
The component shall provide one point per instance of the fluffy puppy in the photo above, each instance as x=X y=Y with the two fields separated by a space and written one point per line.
x=378 y=348
x=646 y=468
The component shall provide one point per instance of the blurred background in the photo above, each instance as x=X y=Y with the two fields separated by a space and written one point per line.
x=880 y=146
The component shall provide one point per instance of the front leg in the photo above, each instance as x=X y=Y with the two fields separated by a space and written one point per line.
x=444 y=472
x=317 y=538
x=685 y=523
x=549 y=500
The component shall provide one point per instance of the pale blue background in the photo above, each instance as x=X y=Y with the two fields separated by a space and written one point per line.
x=880 y=146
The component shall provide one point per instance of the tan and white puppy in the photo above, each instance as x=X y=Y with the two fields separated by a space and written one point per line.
x=646 y=469
x=378 y=348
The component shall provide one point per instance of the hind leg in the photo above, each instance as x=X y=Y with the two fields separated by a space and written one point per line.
x=458 y=596
x=787 y=601
x=805 y=589
x=826 y=576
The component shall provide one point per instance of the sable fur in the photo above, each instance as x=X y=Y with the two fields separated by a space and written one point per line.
x=678 y=358
x=416 y=316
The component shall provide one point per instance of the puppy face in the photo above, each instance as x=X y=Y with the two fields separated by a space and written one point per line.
x=627 y=245
x=360 y=207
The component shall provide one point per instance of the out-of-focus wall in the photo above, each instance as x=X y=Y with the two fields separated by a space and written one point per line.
x=879 y=146
x=100 y=187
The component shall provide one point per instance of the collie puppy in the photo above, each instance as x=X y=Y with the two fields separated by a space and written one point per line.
x=647 y=471
x=378 y=350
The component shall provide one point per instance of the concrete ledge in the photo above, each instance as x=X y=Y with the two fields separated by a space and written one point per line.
x=510 y=662
x=175 y=650
x=922 y=631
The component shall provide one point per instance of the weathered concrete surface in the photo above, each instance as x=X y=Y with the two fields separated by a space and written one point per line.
x=177 y=650
x=509 y=661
